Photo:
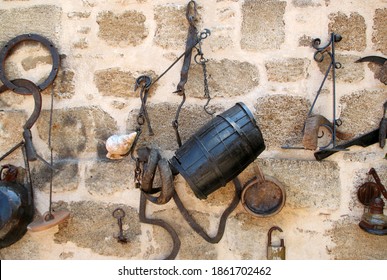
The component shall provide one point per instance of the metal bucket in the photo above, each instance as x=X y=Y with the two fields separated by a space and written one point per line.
x=219 y=151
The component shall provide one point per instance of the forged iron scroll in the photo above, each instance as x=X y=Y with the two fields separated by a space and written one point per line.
x=5 y=51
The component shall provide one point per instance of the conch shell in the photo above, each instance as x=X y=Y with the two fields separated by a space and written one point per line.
x=118 y=145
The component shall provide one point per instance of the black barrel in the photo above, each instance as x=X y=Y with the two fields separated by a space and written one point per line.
x=219 y=151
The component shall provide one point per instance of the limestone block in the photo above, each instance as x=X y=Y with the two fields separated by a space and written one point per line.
x=352 y=243
x=91 y=225
x=348 y=73
x=123 y=29
x=362 y=110
x=171 y=26
x=64 y=85
x=352 y=28
x=11 y=130
x=287 y=70
x=319 y=187
x=66 y=176
x=161 y=115
x=119 y=83
x=25 y=249
x=305 y=41
x=281 y=119
x=77 y=130
x=226 y=78
x=307 y=3
x=379 y=35
x=44 y=20
x=106 y=178
x=263 y=25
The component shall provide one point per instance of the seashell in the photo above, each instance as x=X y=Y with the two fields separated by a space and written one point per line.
x=118 y=145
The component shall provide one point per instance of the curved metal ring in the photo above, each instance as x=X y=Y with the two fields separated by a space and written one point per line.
x=28 y=37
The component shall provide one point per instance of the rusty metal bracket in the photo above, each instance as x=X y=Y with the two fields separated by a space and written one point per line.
x=6 y=50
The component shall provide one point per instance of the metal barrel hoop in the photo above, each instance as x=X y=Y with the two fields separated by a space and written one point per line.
x=5 y=51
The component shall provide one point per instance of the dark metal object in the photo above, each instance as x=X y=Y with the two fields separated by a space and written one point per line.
x=367 y=192
x=383 y=127
x=374 y=221
x=275 y=252
x=143 y=114
x=263 y=196
x=119 y=214
x=382 y=189
x=382 y=74
x=160 y=223
x=5 y=51
x=16 y=207
x=223 y=219
x=363 y=140
x=219 y=150
x=318 y=56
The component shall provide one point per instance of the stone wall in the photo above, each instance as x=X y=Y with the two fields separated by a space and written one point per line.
x=259 y=53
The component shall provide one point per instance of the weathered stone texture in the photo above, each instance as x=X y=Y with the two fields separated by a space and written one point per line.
x=91 y=225
x=287 y=70
x=44 y=20
x=64 y=85
x=11 y=129
x=319 y=187
x=123 y=29
x=66 y=176
x=226 y=78
x=307 y=3
x=362 y=110
x=263 y=25
x=77 y=130
x=379 y=35
x=352 y=28
x=161 y=115
x=171 y=26
x=106 y=178
x=348 y=73
x=115 y=82
x=352 y=243
x=25 y=249
x=305 y=41
x=281 y=119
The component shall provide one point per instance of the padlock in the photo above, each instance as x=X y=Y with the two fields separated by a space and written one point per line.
x=275 y=252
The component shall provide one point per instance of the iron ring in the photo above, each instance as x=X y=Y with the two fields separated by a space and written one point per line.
x=4 y=52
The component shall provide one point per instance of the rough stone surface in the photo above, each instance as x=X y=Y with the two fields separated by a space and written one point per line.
x=287 y=70
x=171 y=26
x=306 y=3
x=352 y=28
x=379 y=35
x=106 y=178
x=91 y=225
x=25 y=249
x=305 y=41
x=11 y=129
x=40 y=19
x=64 y=85
x=123 y=29
x=281 y=119
x=319 y=187
x=348 y=73
x=263 y=26
x=119 y=83
x=161 y=115
x=354 y=107
x=347 y=235
x=226 y=78
x=77 y=130
x=65 y=177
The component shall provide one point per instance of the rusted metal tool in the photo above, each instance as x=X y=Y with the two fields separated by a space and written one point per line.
x=382 y=73
x=119 y=214
x=6 y=50
x=383 y=127
x=275 y=252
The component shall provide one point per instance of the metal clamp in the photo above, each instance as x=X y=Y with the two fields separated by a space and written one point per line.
x=5 y=51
